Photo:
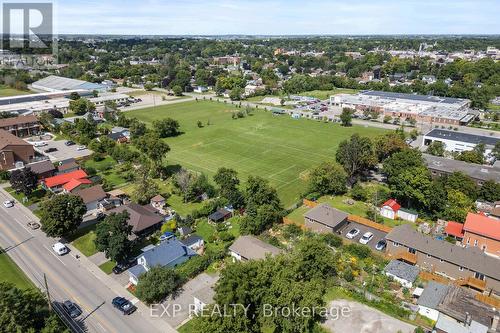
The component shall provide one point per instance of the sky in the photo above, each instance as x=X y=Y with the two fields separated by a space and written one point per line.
x=276 y=17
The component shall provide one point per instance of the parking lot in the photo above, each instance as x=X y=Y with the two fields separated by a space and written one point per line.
x=377 y=234
x=63 y=152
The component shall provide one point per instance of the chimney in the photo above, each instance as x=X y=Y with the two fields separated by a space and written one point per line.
x=468 y=319
x=494 y=323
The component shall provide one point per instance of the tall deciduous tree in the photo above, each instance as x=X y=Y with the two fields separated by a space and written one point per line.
x=413 y=186
x=356 y=155
x=62 y=214
x=328 y=178
x=112 y=237
x=388 y=144
x=401 y=161
x=23 y=181
x=227 y=184
x=166 y=127
x=457 y=207
x=346 y=117
x=490 y=191
x=436 y=148
x=157 y=283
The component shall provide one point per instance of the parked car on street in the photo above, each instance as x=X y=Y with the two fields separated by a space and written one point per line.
x=366 y=238
x=60 y=248
x=8 y=203
x=72 y=309
x=352 y=233
x=123 y=305
x=33 y=225
x=69 y=143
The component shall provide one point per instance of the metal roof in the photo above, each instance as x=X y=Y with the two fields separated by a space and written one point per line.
x=462 y=137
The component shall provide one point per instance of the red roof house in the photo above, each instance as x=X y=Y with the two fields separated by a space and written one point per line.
x=75 y=183
x=390 y=209
x=57 y=182
x=483 y=232
x=454 y=229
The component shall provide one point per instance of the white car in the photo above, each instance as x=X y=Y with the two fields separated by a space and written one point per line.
x=8 y=203
x=60 y=249
x=81 y=148
x=352 y=233
x=40 y=144
x=367 y=237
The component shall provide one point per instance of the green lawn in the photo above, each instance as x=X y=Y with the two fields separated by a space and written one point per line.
x=36 y=196
x=493 y=107
x=182 y=208
x=83 y=240
x=107 y=267
x=12 y=273
x=297 y=216
x=325 y=94
x=277 y=148
x=7 y=91
x=106 y=170
x=188 y=327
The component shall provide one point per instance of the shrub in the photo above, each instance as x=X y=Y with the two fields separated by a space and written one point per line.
x=358 y=250
x=332 y=240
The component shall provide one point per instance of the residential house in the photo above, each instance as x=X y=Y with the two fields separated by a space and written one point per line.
x=324 y=218
x=91 y=196
x=118 y=137
x=194 y=242
x=143 y=219
x=43 y=169
x=442 y=166
x=251 y=248
x=167 y=254
x=124 y=131
x=429 y=79
x=184 y=231
x=392 y=210
x=430 y=299
x=55 y=184
x=200 y=89
x=68 y=165
x=482 y=232
x=202 y=298
x=158 y=202
x=21 y=126
x=455 y=230
x=76 y=184
x=14 y=152
x=402 y=272
x=220 y=215
x=467 y=266
x=461 y=312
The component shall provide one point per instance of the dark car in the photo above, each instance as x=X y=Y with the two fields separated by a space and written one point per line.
x=123 y=305
x=381 y=244
x=122 y=266
x=50 y=150
x=69 y=143
x=72 y=309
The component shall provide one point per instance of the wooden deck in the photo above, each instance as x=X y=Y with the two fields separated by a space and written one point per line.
x=473 y=283
x=407 y=257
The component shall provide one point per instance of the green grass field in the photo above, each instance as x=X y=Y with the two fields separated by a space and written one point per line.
x=7 y=91
x=277 y=148
x=12 y=273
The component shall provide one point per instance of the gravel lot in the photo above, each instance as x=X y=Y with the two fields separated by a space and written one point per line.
x=363 y=319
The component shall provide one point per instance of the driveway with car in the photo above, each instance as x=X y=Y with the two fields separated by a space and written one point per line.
x=377 y=234
x=63 y=151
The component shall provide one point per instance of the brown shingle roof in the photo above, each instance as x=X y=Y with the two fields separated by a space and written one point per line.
x=250 y=247
x=7 y=139
x=90 y=194
x=41 y=167
x=18 y=120
x=140 y=217
x=471 y=257
x=327 y=215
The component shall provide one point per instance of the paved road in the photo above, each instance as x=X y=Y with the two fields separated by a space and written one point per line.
x=68 y=277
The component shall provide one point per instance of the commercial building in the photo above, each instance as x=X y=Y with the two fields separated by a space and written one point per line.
x=455 y=141
x=441 y=166
x=468 y=266
x=14 y=152
x=54 y=83
x=421 y=108
x=21 y=126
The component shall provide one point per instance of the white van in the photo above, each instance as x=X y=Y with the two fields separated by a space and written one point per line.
x=60 y=249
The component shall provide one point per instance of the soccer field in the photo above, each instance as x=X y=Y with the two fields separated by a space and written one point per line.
x=277 y=148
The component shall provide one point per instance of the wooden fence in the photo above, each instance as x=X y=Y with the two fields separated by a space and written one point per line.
x=493 y=301
x=286 y=220
x=428 y=276
x=369 y=223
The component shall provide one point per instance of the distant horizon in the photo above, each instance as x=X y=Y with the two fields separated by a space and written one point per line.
x=276 y=17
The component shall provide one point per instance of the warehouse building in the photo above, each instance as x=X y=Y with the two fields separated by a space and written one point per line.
x=54 y=83
x=423 y=108
x=455 y=141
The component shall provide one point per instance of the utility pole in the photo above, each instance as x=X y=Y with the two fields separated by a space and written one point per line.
x=47 y=290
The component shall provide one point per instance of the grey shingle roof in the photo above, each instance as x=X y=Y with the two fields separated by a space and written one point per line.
x=250 y=247
x=476 y=171
x=327 y=215
x=167 y=252
x=432 y=295
x=471 y=257
x=402 y=270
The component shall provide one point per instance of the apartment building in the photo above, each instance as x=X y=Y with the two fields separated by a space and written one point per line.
x=468 y=266
x=14 y=152
x=482 y=232
x=21 y=126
